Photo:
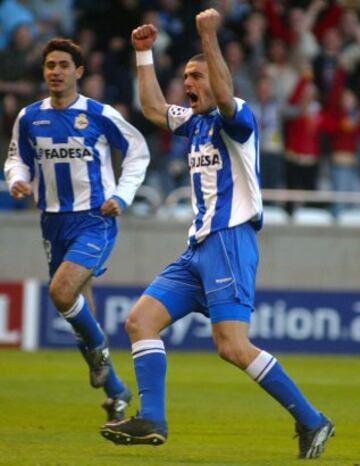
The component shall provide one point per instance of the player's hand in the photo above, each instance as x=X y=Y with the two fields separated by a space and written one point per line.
x=208 y=21
x=111 y=207
x=143 y=37
x=20 y=189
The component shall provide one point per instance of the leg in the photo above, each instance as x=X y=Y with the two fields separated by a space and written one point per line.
x=118 y=394
x=89 y=296
x=233 y=345
x=147 y=318
x=65 y=291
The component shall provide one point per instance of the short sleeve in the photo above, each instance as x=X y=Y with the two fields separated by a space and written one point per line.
x=179 y=119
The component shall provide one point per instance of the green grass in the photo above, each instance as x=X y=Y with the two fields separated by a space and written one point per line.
x=217 y=416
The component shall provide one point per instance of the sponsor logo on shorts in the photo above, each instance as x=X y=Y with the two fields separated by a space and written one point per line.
x=41 y=122
x=223 y=280
x=94 y=246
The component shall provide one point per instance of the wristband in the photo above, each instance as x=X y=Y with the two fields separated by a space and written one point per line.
x=144 y=57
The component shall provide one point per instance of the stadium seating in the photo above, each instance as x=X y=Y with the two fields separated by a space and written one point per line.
x=310 y=216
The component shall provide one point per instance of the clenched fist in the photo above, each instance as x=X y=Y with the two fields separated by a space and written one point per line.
x=208 y=21
x=143 y=37
x=20 y=189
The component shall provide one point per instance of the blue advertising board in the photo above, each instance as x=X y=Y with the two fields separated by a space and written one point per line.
x=283 y=320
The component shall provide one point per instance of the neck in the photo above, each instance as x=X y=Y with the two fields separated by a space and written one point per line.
x=63 y=101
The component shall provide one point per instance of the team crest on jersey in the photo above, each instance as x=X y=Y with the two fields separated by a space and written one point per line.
x=81 y=121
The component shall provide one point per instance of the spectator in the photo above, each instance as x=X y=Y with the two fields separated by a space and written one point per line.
x=344 y=131
x=12 y=14
x=54 y=17
x=173 y=166
x=326 y=63
x=93 y=86
x=243 y=81
x=20 y=64
x=302 y=153
x=267 y=111
x=281 y=70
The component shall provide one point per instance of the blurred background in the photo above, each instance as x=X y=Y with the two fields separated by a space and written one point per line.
x=297 y=63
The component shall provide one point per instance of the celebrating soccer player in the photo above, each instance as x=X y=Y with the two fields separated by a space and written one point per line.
x=216 y=274
x=60 y=151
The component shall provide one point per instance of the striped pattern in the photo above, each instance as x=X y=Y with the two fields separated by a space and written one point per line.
x=144 y=347
x=75 y=309
x=224 y=167
x=260 y=366
x=66 y=154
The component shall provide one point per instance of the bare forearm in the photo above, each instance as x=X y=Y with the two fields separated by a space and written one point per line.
x=151 y=97
x=220 y=77
x=208 y=23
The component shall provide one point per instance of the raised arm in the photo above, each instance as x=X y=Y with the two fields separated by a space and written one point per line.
x=207 y=24
x=152 y=100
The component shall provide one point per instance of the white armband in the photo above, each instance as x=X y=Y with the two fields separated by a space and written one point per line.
x=144 y=57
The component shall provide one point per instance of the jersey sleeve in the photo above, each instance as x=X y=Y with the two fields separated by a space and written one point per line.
x=136 y=156
x=19 y=164
x=179 y=119
x=242 y=124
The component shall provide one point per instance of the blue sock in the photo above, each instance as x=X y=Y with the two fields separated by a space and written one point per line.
x=150 y=368
x=113 y=385
x=269 y=374
x=84 y=323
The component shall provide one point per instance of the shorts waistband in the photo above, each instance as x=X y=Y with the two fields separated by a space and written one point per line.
x=71 y=213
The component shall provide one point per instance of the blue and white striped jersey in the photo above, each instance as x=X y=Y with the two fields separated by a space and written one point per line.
x=224 y=167
x=66 y=154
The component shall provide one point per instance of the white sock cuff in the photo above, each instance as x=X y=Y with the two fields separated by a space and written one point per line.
x=143 y=347
x=260 y=366
x=75 y=308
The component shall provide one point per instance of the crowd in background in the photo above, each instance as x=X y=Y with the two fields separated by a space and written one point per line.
x=297 y=63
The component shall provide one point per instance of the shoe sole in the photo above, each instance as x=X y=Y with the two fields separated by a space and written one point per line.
x=121 y=438
x=318 y=446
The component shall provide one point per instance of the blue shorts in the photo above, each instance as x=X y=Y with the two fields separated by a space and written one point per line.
x=86 y=238
x=216 y=277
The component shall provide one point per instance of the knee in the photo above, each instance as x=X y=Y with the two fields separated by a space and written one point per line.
x=62 y=297
x=234 y=353
x=139 y=326
x=132 y=325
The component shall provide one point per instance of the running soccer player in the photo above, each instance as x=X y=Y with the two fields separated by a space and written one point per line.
x=216 y=274
x=60 y=152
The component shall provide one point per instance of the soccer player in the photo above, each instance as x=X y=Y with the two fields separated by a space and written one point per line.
x=216 y=274
x=61 y=152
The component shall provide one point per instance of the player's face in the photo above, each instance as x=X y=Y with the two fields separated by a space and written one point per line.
x=197 y=86
x=61 y=74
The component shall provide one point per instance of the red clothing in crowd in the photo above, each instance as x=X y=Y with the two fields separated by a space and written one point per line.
x=302 y=132
x=279 y=29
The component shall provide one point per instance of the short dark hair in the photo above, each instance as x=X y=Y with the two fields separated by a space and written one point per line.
x=64 y=45
x=197 y=57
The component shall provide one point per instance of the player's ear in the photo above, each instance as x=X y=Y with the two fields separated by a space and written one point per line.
x=79 y=72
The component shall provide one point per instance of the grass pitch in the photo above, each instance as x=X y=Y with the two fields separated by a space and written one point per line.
x=49 y=416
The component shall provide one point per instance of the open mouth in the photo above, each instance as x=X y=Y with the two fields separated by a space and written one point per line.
x=192 y=97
